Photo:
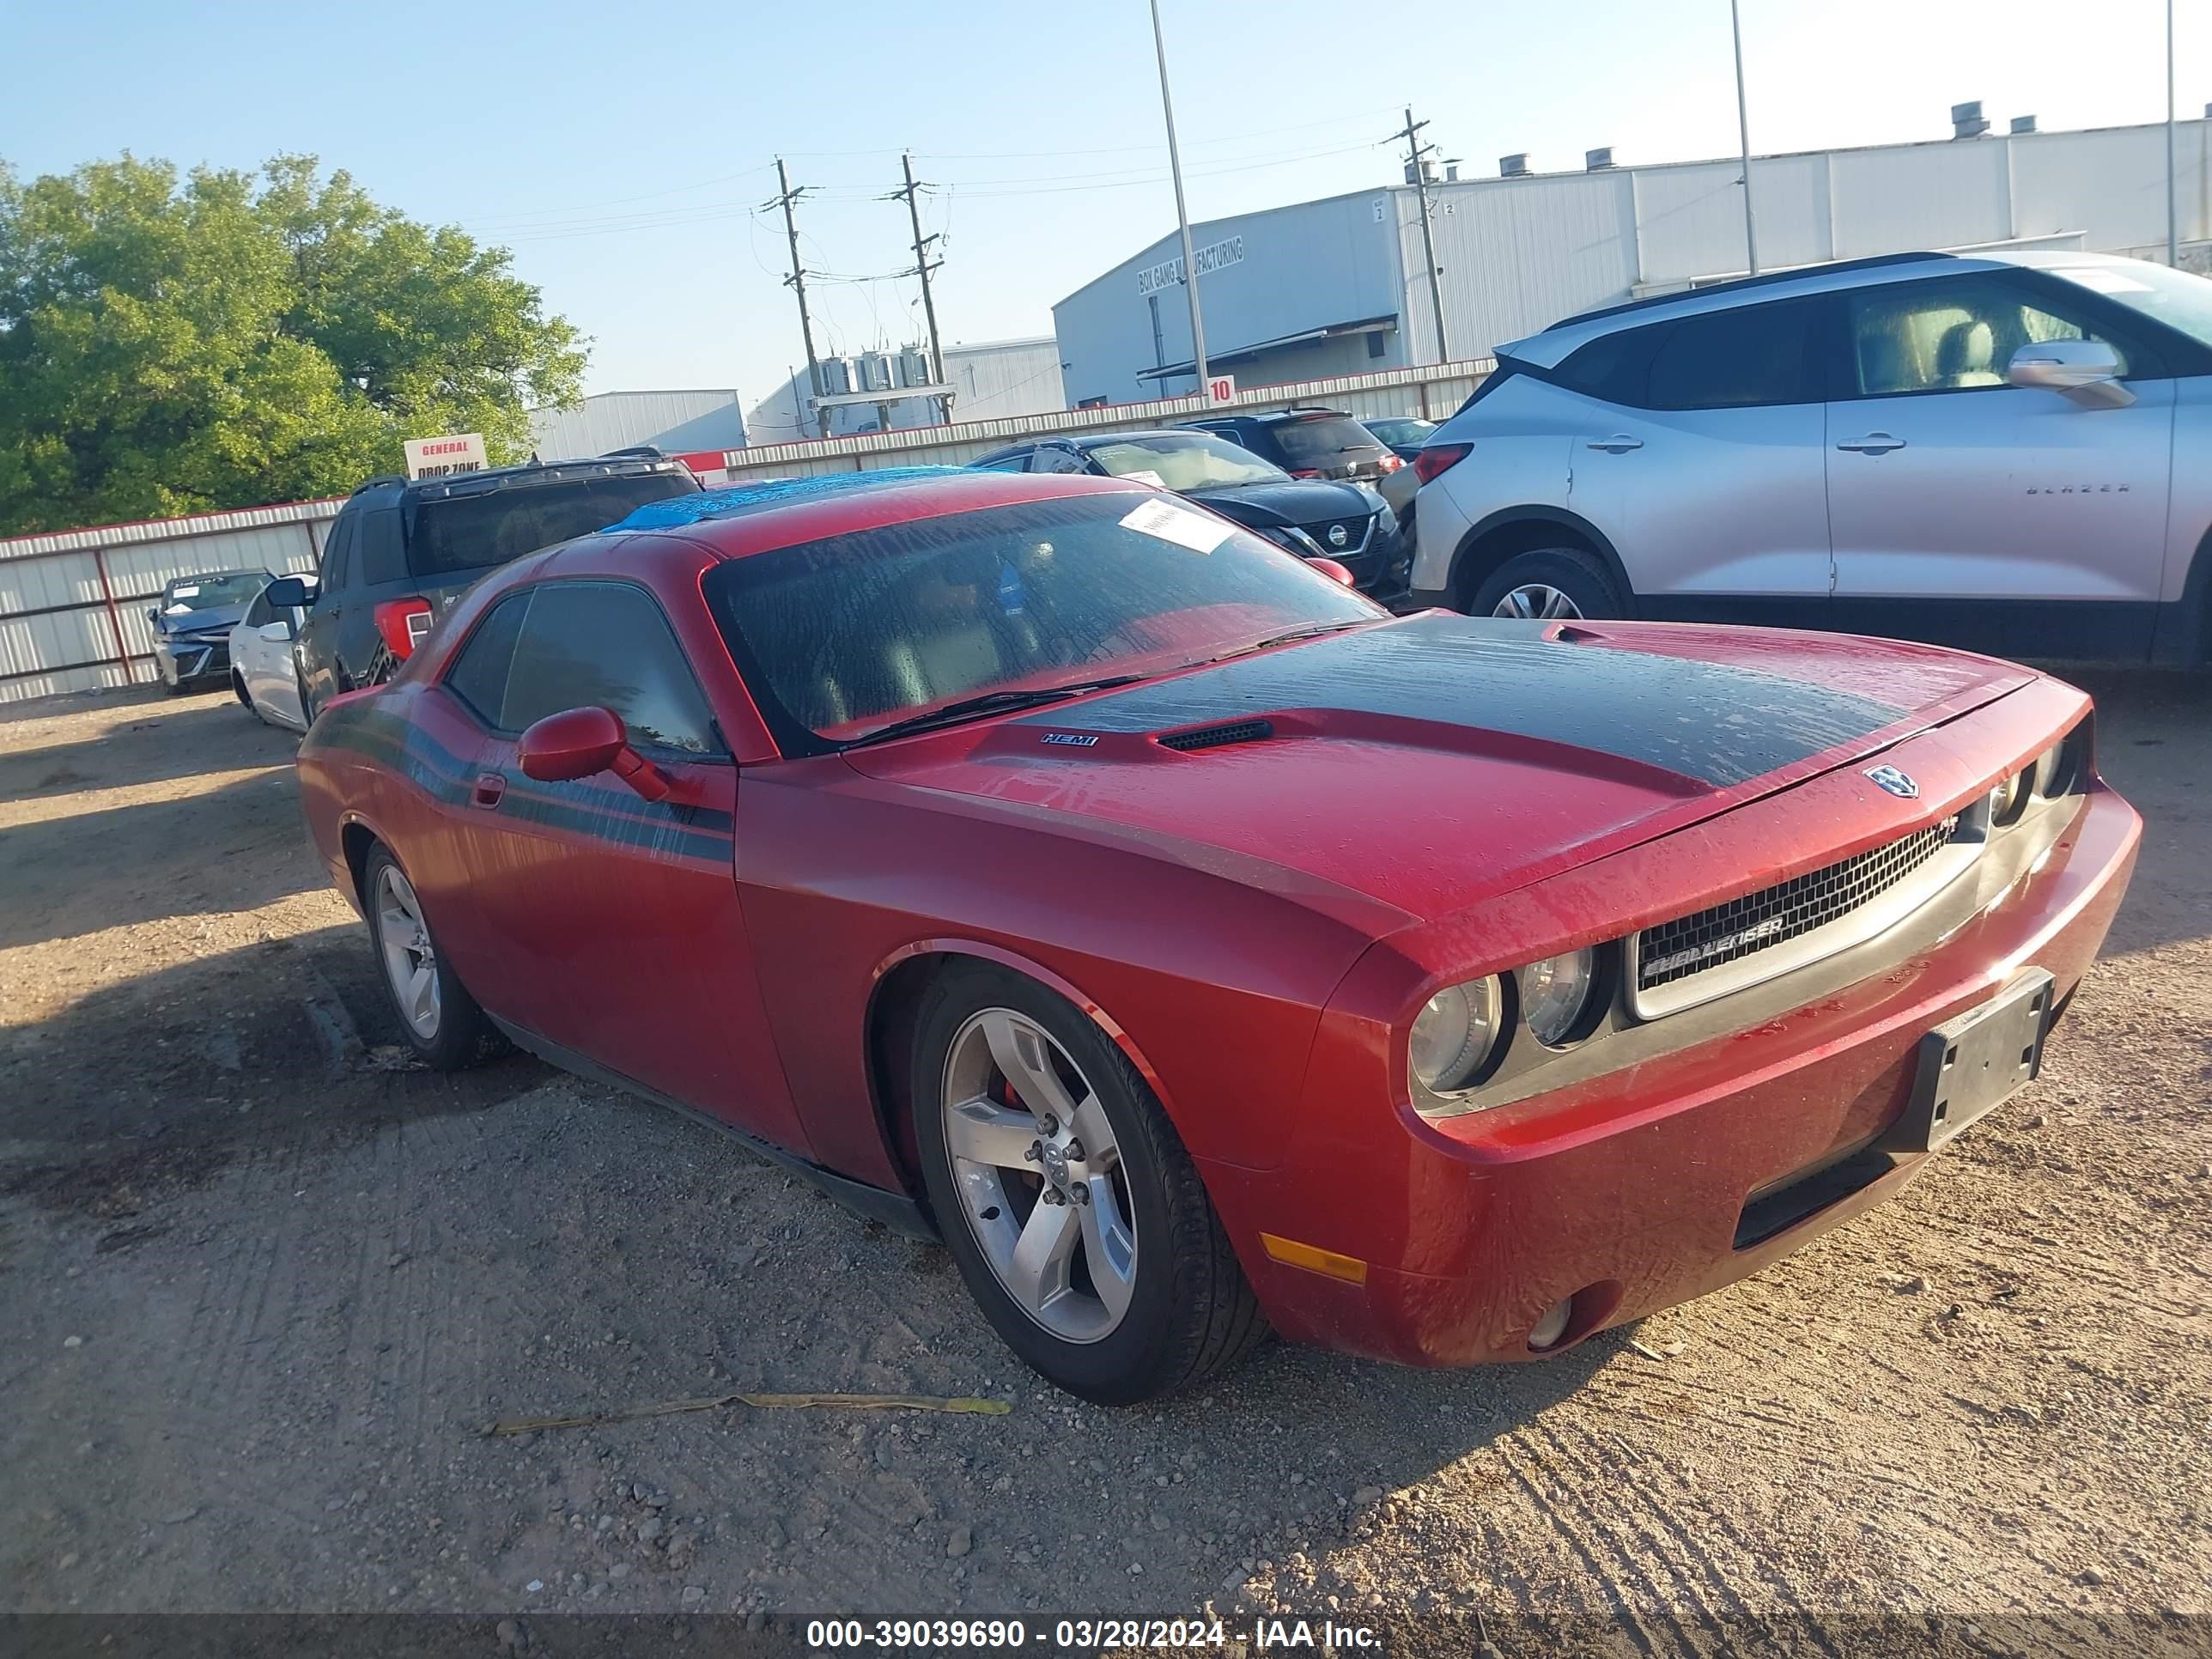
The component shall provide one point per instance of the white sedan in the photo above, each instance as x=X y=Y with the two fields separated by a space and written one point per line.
x=262 y=673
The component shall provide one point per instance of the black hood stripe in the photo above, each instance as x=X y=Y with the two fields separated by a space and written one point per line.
x=1715 y=722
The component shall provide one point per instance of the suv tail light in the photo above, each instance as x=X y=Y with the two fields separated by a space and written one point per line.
x=1439 y=457
x=404 y=624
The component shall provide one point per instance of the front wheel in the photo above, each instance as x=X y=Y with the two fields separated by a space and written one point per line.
x=1551 y=584
x=1065 y=1196
x=440 y=1019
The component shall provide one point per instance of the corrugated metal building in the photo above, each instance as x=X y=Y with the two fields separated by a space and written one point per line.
x=673 y=421
x=991 y=381
x=1337 y=287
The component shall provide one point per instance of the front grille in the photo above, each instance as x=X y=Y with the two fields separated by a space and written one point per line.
x=1759 y=921
x=1218 y=737
x=1355 y=534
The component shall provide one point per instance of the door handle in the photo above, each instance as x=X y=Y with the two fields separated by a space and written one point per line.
x=1874 y=443
x=1619 y=444
x=490 y=786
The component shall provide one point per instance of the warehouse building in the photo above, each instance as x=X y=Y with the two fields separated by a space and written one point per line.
x=672 y=421
x=1338 y=285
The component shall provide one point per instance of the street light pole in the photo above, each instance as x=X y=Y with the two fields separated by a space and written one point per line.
x=1182 y=213
x=1743 y=134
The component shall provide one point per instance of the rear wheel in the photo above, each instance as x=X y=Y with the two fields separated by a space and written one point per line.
x=1077 y=1217
x=440 y=1020
x=1550 y=584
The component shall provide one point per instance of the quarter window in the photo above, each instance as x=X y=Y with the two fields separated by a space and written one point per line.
x=1957 y=335
x=1017 y=462
x=1052 y=458
x=1744 y=357
x=606 y=644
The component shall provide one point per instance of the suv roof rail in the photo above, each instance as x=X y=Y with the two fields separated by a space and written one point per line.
x=636 y=452
x=381 y=478
x=1309 y=408
x=1765 y=279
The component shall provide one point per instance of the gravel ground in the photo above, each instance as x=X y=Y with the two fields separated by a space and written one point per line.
x=263 y=1281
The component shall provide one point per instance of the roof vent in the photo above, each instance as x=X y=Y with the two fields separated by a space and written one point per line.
x=2023 y=124
x=1597 y=160
x=1218 y=737
x=1967 y=120
x=1513 y=166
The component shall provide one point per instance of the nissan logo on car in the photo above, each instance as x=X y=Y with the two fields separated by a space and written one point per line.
x=1338 y=535
x=1899 y=784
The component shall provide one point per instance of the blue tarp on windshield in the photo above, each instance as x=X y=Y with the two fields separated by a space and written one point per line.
x=677 y=510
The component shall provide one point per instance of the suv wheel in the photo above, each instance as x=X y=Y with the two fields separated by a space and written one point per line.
x=1553 y=583
x=1065 y=1196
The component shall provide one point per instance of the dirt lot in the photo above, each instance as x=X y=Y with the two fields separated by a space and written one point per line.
x=261 y=1283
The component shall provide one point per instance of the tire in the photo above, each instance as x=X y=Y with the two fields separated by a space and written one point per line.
x=440 y=1021
x=1185 y=1310
x=1552 y=583
x=244 y=697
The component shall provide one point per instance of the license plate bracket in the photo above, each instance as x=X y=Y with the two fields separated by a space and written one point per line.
x=1969 y=1066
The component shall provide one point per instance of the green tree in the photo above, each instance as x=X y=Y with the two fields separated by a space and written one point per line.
x=172 y=346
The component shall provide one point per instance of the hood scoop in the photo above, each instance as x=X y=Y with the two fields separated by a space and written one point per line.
x=1217 y=737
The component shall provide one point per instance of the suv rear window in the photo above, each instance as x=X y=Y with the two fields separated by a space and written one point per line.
x=1323 y=442
x=474 y=532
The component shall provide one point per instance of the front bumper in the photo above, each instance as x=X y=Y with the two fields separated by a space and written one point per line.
x=1636 y=1189
x=179 y=660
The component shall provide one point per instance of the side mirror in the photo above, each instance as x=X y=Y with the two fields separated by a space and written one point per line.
x=2088 y=371
x=277 y=632
x=580 y=743
x=1334 y=572
x=155 y=616
x=290 y=592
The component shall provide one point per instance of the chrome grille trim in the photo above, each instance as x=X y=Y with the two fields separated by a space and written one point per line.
x=1693 y=959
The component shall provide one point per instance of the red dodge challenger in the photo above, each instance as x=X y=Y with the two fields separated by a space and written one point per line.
x=1050 y=865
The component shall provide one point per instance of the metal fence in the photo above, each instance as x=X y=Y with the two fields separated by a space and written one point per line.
x=73 y=603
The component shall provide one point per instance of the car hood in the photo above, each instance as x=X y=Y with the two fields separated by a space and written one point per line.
x=1294 y=501
x=1433 y=762
x=215 y=618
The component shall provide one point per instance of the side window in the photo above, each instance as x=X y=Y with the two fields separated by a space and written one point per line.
x=377 y=556
x=478 y=676
x=338 y=554
x=606 y=643
x=1745 y=357
x=260 y=613
x=1955 y=334
x=1052 y=458
x=1017 y=462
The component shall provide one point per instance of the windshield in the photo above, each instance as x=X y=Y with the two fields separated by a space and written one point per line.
x=1328 y=441
x=1184 y=460
x=2180 y=300
x=470 y=532
x=839 y=637
x=230 y=587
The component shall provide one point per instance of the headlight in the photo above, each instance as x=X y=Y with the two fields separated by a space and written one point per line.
x=1555 y=994
x=1454 y=1036
x=2009 y=798
x=2055 y=769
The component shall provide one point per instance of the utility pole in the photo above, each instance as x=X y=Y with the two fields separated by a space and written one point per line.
x=2173 y=228
x=1416 y=154
x=797 y=282
x=923 y=264
x=1182 y=214
x=1743 y=137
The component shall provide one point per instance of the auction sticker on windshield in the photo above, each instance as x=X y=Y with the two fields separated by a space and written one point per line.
x=1171 y=521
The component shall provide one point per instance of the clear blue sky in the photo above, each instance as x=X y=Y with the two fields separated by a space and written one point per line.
x=621 y=151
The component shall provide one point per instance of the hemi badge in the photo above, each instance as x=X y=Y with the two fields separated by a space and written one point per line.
x=1069 y=740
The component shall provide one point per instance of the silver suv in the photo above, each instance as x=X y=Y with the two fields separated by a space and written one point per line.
x=2003 y=451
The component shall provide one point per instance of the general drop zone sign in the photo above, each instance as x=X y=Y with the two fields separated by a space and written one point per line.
x=440 y=457
x=1169 y=272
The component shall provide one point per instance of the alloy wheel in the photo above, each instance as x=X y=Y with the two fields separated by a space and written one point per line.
x=409 y=961
x=1039 y=1175
x=1535 y=601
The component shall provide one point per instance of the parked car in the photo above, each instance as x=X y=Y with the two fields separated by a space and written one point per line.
x=262 y=675
x=1992 y=451
x=192 y=621
x=1314 y=518
x=1195 y=946
x=1307 y=443
x=400 y=553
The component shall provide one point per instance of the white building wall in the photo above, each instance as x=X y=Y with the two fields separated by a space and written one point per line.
x=676 y=421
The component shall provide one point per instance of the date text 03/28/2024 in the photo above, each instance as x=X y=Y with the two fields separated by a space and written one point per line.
x=1086 y=1635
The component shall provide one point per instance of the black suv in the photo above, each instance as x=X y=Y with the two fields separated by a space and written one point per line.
x=1307 y=443
x=401 y=553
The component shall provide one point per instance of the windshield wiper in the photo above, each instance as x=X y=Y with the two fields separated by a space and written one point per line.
x=1311 y=630
x=991 y=702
